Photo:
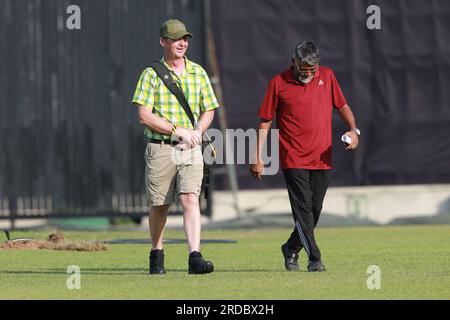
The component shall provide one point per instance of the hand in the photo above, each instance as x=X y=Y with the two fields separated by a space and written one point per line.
x=355 y=141
x=197 y=137
x=257 y=169
x=184 y=137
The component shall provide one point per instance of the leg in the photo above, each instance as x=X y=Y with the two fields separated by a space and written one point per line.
x=157 y=222
x=319 y=180
x=189 y=179
x=301 y=198
x=294 y=243
x=189 y=183
x=192 y=228
x=160 y=180
x=191 y=220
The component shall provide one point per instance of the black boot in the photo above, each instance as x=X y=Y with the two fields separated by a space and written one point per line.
x=316 y=266
x=198 y=265
x=157 y=262
x=290 y=258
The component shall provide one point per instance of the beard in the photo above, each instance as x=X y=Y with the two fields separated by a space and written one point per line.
x=306 y=80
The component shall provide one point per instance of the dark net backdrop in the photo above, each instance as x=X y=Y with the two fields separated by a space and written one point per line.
x=69 y=137
x=395 y=79
x=70 y=140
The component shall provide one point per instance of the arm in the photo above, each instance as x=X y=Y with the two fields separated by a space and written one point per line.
x=144 y=100
x=156 y=123
x=202 y=125
x=347 y=116
x=257 y=168
x=205 y=120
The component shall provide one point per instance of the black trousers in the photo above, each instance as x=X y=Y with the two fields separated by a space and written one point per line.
x=307 y=189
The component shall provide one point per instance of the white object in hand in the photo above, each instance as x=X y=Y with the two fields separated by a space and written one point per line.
x=346 y=139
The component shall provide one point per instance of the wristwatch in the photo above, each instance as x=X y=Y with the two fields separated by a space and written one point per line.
x=356 y=130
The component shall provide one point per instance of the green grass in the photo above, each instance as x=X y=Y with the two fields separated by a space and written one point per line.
x=414 y=263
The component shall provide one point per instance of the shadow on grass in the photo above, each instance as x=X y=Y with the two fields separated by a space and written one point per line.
x=128 y=271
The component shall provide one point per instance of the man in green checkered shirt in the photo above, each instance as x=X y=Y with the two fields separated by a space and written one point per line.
x=173 y=157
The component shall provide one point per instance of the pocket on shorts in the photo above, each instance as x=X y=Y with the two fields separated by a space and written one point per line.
x=149 y=151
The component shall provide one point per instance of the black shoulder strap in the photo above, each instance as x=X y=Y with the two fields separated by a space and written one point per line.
x=164 y=74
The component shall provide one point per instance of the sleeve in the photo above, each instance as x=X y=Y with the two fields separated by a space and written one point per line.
x=145 y=89
x=338 y=97
x=208 y=100
x=269 y=105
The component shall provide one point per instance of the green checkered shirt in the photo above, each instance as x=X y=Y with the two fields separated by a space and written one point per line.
x=151 y=92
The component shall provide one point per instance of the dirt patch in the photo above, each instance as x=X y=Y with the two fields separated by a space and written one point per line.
x=56 y=237
x=55 y=241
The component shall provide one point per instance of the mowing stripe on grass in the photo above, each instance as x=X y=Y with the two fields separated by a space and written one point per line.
x=168 y=241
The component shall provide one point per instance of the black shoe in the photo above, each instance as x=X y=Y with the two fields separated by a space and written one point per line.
x=157 y=262
x=198 y=265
x=316 y=266
x=290 y=258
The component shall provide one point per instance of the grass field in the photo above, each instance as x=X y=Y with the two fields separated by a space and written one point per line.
x=414 y=263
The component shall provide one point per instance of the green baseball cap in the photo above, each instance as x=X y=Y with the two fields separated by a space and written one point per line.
x=173 y=29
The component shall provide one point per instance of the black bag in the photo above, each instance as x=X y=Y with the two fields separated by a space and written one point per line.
x=208 y=149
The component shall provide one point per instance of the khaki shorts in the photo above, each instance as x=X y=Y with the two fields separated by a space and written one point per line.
x=169 y=172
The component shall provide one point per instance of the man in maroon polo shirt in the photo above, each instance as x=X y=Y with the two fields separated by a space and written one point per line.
x=302 y=100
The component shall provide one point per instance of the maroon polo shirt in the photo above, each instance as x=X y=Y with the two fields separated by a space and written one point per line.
x=303 y=116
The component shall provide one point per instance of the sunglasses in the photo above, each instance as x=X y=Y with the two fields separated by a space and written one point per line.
x=305 y=71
